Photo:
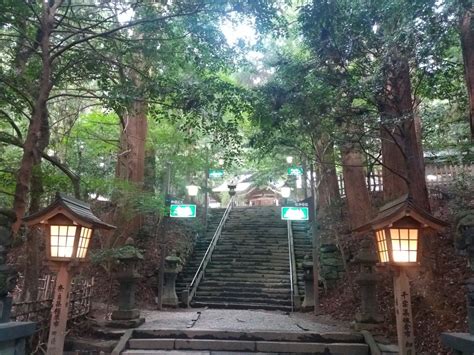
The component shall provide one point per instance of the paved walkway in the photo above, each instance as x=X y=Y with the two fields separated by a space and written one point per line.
x=229 y=319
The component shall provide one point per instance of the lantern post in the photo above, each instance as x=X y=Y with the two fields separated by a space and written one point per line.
x=285 y=193
x=232 y=186
x=193 y=190
x=398 y=231
x=69 y=226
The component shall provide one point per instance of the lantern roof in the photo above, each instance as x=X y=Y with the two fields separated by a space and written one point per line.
x=72 y=208
x=399 y=208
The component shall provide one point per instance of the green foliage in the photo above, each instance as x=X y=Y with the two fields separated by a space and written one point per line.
x=322 y=71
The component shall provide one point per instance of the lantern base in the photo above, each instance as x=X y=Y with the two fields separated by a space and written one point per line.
x=125 y=314
x=125 y=323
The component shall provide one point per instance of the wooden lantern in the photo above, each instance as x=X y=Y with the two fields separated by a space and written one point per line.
x=70 y=225
x=398 y=230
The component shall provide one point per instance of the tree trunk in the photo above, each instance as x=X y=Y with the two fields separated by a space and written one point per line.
x=401 y=150
x=466 y=30
x=304 y=178
x=328 y=189
x=315 y=243
x=33 y=240
x=37 y=138
x=393 y=168
x=357 y=194
x=131 y=159
x=150 y=170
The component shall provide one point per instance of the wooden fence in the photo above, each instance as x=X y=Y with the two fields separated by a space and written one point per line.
x=39 y=311
x=438 y=178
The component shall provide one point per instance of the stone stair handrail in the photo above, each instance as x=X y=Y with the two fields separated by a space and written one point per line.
x=192 y=287
x=295 y=299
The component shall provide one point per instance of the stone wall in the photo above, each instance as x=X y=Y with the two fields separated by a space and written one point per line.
x=331 y=264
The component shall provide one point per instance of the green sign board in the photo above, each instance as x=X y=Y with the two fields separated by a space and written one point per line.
x=295 y=171
x=295 y=213
x=216 y=173
x=183 y=211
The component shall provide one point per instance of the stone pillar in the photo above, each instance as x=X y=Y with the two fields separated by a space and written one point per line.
x=366 y=258
x=308 y=302
x=127 y=316
x=170 y=299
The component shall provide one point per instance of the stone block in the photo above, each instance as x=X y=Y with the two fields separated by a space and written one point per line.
x=15 y=330
x=463 y=343
x=125 y=314
x=13 y=336
x=151 y=344
x=327 y=248
x=85 y=344
x=314 y=348
x=218 y=345
x=125 y=323
x=332 y=262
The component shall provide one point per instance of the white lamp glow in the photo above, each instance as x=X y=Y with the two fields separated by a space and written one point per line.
x=192 y=189
x=285 y=191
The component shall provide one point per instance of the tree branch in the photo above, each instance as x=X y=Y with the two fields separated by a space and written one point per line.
x=116 y=29
x=13 y=124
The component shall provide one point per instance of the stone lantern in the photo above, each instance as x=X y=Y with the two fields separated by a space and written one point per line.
x=231 y=186
x=170 y=299
x=366 y=258
x=127 y=316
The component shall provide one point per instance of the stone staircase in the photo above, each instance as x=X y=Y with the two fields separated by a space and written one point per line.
x=170 y=341
x=249 y=268
x=187 y=274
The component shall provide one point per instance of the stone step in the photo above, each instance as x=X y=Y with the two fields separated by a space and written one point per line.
x=257 y=281
x=253 y=255
x=285 y=301
x=268 y=272
x=147 y=346
x=217 y=274
x=257 y=267
x=243 y=289
x=223 y=294
x=253 y=335
x=243 y=260
x=242 y=305
x=246 y=284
